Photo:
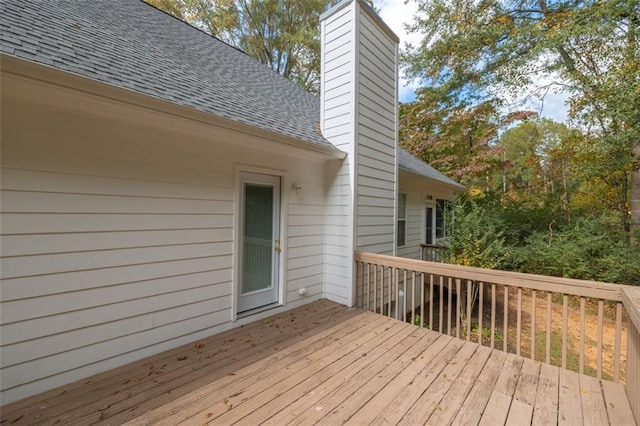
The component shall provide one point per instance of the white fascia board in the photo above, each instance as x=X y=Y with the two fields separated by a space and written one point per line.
x=42 y=76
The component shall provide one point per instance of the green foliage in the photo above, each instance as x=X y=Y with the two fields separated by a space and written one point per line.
x=475 y=52
x=474 y=236
x=417 y=321
x=454 y=136
x=535 y=157
x=493 y=230
x=589 y=249
x=282 y=34
x=486 y=334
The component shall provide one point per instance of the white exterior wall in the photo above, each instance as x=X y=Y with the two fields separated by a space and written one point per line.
x=337 y=126
x=358 y=107
x=415 y=222
x=376 y=136
x=417 y=189
x=117 y=237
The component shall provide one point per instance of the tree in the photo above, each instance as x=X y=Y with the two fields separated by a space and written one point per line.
x=282 y=34
x=455 y=136
x=589 y=48
x=537 y=157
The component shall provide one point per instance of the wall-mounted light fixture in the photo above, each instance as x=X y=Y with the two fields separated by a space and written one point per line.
x=296 y=187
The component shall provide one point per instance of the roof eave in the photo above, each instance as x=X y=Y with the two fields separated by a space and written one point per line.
x=47 y=74
x=454 y=186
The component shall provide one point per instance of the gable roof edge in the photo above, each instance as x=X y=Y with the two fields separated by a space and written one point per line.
x=45 y=74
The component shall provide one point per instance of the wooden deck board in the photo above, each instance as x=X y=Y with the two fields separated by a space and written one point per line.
x=327 y=364
x=366 y=356
x=404 y=400
x=594 y=411
x=432 y=396
x=520 y=413
x=368 y=412
x=448 y=407
x=497 y=409
x=134 y=386
x=218 y=396
x=314 y=388
x=353 y=383
x=546 y=405
x=613 y=393
x=570 y=405
x=528 y=382
x=351 y=398
x=470 y=411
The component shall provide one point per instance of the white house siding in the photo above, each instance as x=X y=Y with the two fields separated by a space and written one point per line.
x=415 y=223
x=117 y=238
x=417 y=189
x=339 y=243
x=376 y=136
x=358 y=103
x=338 y=50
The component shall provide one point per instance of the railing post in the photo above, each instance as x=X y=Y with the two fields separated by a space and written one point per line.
x=392 y=271
x=631 y=301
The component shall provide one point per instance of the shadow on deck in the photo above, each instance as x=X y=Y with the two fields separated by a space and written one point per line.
x=330 y=364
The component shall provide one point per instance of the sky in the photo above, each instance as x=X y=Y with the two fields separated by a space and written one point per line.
x=396 y=13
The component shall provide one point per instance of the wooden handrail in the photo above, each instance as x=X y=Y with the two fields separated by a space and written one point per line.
x=631 y=301
x=527 y=314
x=570 y=286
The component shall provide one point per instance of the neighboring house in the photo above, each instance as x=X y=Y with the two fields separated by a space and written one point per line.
x=425 y=192
x=159 y=186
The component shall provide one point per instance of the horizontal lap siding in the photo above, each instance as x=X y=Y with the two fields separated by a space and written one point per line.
x=101 y=269
x=376 y=166
x=337 y=126
x=305 y=241
x=421 y=192
x=415 y=205
x=337 y=232
x=113 y=250
x=337 y=78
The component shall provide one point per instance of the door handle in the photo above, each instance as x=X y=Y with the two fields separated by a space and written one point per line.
x=278 y=249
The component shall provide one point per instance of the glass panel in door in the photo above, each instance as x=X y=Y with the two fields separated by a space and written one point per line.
x=260 y=242
x=429 y=219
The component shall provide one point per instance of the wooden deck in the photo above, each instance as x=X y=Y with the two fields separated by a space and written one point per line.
x=328 y=364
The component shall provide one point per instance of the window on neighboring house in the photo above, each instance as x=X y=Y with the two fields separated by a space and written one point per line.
x=402 y=220
x=441 y=206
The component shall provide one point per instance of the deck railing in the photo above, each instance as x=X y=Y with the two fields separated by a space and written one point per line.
x=631 y=300
x=431 y=252
x=575 y=324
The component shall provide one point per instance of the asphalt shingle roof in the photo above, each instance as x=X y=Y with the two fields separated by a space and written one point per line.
x=130 y=44
x=414 y=165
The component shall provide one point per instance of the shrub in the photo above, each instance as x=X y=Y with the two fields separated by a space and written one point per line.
x=588 y=249
x=474 y=239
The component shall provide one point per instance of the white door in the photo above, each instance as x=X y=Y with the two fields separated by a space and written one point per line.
x=259 y=258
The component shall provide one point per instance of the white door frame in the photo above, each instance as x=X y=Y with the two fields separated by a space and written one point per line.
x=268 y=177
x=428 y=204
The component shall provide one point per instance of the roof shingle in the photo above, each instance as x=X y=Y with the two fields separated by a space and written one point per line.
x=132 y=45
x=414 y=165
